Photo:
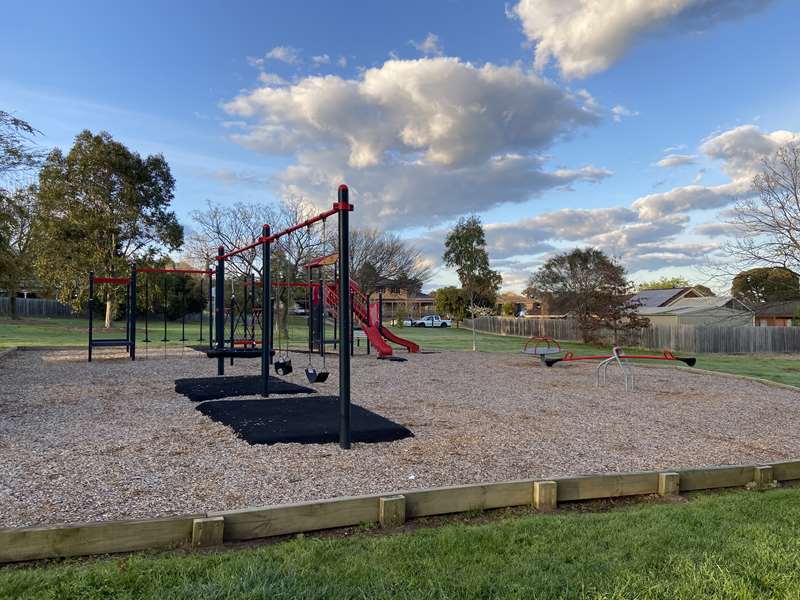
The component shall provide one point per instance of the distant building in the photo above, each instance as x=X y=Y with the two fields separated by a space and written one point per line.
x=664 y=296
x=415 y=303
x=521 y=303
x=711 y=310
x=778 y=314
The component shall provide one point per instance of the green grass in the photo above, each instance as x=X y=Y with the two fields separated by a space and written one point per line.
x=73 y=332
x=736 y=545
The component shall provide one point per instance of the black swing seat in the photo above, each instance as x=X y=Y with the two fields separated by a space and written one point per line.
x=234 y=353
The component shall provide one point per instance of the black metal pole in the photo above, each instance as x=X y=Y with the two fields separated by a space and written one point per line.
x=91 y=311
x=266 y=341
x=253 y=305
x=127 y=316
x=219 y=310
x=344 y=315
x=351 y=336
x=132 y=312
x=200 y=339
x=210 y=310
x=232 y=315
x=146 y=310
x=165 y=339
x=321 y=314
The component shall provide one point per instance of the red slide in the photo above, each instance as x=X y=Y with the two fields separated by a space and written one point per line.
x=390 y=335
x=375 y=332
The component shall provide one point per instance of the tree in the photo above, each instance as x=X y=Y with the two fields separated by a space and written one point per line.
x=453 y=301
x=465 y=251
x=100 y=207
x=766 y=284
x=593 y=287
x=18 y=211
x=18 y=152
x=508 y=309
x=664 y=283
x=768 y=223
x=379 y=258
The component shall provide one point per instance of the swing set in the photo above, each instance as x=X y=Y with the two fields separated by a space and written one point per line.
x=280 y=358
x=131 y=284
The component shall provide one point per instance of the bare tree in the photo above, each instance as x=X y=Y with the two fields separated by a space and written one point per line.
x=768 y=222
x=380 y=258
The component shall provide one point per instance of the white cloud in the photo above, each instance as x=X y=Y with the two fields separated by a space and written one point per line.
x=321 y=59
x=715 y=229
x=255 y=62
x=741 y=151
x=619 y=112
x=419 y=139
x=287 y=54
x=396 y=195
x=677 y=160
x=342 y=61
x=429 y=46
x=588 y=36
x=271 y=79
x=447 y=111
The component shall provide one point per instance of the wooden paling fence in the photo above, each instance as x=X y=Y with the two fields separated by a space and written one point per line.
x=389 y=510
x=680 y=338
x=36 y=307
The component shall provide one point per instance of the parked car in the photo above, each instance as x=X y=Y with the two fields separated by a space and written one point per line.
x=428 y=321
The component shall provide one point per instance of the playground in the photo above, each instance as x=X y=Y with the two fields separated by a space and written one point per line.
x=111 y=439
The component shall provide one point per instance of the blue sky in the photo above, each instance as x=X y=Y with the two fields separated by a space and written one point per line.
x=551 y=155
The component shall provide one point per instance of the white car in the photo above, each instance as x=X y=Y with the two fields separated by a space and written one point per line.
x=428 y=321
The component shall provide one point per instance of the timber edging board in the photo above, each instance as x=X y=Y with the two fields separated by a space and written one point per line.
x=32 y=543
x=8 y=351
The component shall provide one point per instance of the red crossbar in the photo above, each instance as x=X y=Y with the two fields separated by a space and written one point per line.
x=337 y=207
x=114 y=280
x=194 y=271
x=284 y=284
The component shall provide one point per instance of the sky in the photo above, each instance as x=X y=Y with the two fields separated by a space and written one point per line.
x=629 y=126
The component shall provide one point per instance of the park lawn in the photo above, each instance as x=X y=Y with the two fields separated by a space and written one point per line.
x=731 y=545
x=73 y=332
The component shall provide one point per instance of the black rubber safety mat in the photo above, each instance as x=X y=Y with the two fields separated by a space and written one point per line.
x=301 y=420
x=212 y=388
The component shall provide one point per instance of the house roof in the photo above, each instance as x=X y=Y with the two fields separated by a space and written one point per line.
x=512 y=297
x=658 y=297
x=686 y=306
x=787 y=309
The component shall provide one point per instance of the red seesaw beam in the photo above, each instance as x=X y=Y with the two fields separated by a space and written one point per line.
x=667 y=355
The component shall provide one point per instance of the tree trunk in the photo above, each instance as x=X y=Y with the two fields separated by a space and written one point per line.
x=109 y=313
x=12 y=301
x=472 y=312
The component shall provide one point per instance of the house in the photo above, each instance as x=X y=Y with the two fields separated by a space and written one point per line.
x=521 y=303
x=691 y=310
x=664 y=296
x=414 y=302
x=777 y=314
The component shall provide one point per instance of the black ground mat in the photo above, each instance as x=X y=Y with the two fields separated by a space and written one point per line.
x=212 y=388
x=302 y=420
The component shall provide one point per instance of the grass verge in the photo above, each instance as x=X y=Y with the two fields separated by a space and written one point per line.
x=733 y=545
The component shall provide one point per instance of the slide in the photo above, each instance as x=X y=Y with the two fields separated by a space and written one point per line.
x=376 y=333
x=390 y=335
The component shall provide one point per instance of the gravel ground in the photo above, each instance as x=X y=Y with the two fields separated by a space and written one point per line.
x=112 y=440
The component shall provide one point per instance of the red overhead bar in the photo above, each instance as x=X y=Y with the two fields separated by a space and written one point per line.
x=337 y=207
x=284 y=284
x=114 y=280
x=195 y=271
